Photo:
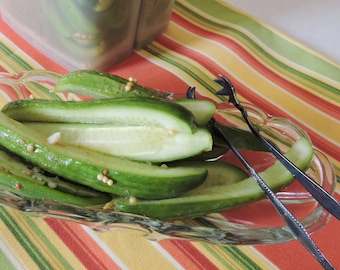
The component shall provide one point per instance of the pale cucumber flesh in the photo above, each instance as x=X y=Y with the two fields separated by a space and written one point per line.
x=142 y=143
x=203 y=110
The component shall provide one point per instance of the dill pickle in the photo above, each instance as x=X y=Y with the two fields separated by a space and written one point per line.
x=99 y=84
x=120 y=111
x=102 y=172
x=30 y=182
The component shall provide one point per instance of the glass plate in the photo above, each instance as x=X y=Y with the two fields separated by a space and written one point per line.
x=254 y=223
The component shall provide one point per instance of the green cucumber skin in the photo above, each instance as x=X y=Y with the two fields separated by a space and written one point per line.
x=223 y=197
x=123 y=111
x=15 y=166
x=98 y=84
x=29 y=189
x=81 y=166
x=14 y=179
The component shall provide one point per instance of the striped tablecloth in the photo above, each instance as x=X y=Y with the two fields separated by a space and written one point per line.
x=204 y=38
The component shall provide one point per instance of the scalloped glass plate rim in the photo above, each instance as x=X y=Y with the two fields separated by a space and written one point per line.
x=211 y=228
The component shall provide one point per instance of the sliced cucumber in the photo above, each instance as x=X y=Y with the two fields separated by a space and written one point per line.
x=153 y=144
x=128 y=178
x=203 y=110
x=240 y=138
x=222 y=197
x=98 y=84
x=120 y=111
x=28 y=181
x=219 y=173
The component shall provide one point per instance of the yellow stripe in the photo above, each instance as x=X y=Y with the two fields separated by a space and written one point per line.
x=12 y=66
x=257 y=257
x=64 y=251
x=228 y=262
x=16 y=247
x=11 y=251
x=4 y=99
x=223 y=260
x=183 y=75
x=122 y=240
x=36 y=239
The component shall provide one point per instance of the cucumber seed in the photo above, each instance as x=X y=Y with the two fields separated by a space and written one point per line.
x=54 y=138
x=30 y=148
x=127 y=88
x=100 y=177
x=132 y=199
x=28 y=172
x=52 y=184
x=171 y=132
x=36 y=169
x=132 y=79
x=105 y=179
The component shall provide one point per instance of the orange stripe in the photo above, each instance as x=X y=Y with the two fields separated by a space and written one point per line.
x=88 y=252
x=187 y=255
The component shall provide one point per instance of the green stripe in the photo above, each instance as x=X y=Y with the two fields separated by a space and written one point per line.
x=10 y=67
x=322 y=67
x=39 y=90
x=191 y=70
x=239 y=256
x=23 y=239
x=233 y=251
x=236 y=254
x=5 y=263
x=14 y=59
x=175 y=61
x=51 y=247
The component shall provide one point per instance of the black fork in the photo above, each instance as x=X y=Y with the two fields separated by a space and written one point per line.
x=322 y=196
